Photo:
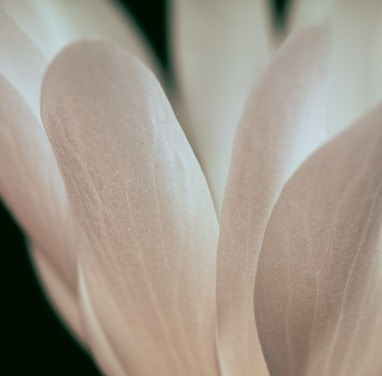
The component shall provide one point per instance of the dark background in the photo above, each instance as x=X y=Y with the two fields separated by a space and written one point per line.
x=33 y=340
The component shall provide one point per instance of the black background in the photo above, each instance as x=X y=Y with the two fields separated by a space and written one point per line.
x=33 y=340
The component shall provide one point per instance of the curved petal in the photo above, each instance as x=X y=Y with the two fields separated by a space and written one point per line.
x=16 y=49
x=220 y=49
x=149 y=250
x=355 y=24
x=282 y=123
x=107 y=357
x=58 y=291
x=318 y=293
x=55 y=23
x=32 y=186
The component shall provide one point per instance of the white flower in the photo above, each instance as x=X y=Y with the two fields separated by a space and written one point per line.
x=152 y=273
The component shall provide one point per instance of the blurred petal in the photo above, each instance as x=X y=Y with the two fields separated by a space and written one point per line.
x=220 y=48
x=96 y=335
x=318 y=294
x=148 y=256
x=16 y=49
x=32 y=187
x=355 y=26
x=304 y=12
x=55 y=23
x=62 y=297
x=282 y=123
x=375 y=72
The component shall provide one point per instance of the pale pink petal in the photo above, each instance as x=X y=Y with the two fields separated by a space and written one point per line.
x=55 y=23
x=148 y=257
x=355 y=24
x=220 y=48
x=32 y=187
x=282 y=123
x=63 y=298
x=318 y=294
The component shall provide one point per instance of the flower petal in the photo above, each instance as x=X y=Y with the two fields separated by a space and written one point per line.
x=96 y=335
x=32 y=187
x=374 y=74
x=58 y=291
x=355 y=24
x=148 y=255
x=318 y=287
x=282 y=123
x=220 y=48
x=55 y=23
x=17 y=49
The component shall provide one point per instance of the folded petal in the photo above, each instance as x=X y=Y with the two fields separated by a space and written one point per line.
x=283 y=122
x=148 y=254
x=355 y=26
x=318 y=293
x=32 y=187
x=55 y=23
x=220 y=48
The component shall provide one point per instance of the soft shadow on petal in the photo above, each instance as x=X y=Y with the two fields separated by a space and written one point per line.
x=95 y=333
x=55 y=23
x=318 y=293
x=32 y=186
x=355 y=26
x=63 y=298
x=21 y=63
x=220 y=48
x=282 y=123
x=148 y=256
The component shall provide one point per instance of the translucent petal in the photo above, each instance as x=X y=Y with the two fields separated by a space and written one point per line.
x=355 y=25
x=32 y=187
x=17 y=49
x=55 y=23
x=149 y=251
x=63 y=298
x=318 y=287
x=220 y=48
x=282 y=123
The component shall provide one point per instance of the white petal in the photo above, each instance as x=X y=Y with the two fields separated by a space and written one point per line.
x=318 y=293
x=62 y=297
x=282 y=123
x=55 y=23
x=32 y=187
x=96 y=335
x=220 y=49
x=355 y=24
x=149 y=251
x=21 y=63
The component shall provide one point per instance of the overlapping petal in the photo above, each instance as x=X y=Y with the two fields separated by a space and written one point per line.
x=53 y=24
x=220 y=48
x=16 y=49
x=24 y=146
x=356 y=29
x=63 y=296
x=32 y=187
x=148 y=254
x=318 y=287
x=30 y=181
x=283 y=122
